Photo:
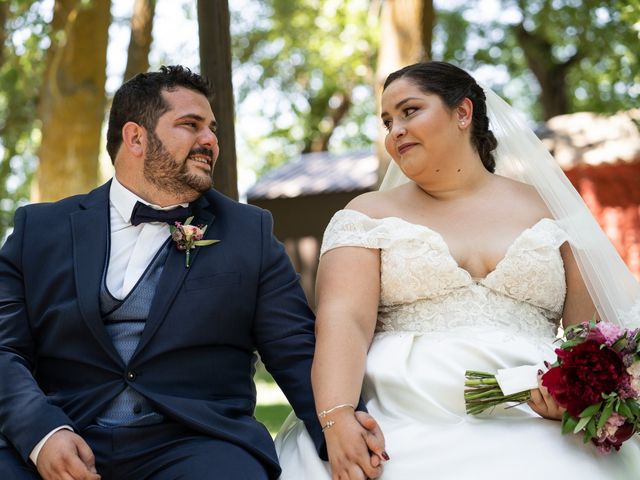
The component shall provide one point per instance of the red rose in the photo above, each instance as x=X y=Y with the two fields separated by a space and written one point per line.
x=586 y=371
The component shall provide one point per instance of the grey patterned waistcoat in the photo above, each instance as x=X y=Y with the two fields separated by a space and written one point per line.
x=125 y=320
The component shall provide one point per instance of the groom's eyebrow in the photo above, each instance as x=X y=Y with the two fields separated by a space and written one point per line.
x=213 y=125
x=193 y=116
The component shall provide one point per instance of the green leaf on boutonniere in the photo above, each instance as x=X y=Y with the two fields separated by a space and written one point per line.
x=203 y=243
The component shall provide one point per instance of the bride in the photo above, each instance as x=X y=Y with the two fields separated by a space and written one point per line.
x=453 y=267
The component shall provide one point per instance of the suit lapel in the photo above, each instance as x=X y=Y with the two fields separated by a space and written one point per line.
x=174 y=273
x=90 y=232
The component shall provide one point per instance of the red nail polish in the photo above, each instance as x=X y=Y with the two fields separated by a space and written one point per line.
x=539 y=372
x=385 y=455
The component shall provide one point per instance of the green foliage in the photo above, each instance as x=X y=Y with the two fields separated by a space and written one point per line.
x=450 y=35
x=21 y=74
x=301 y=59
x=269 y=413
x=599 y=37
x=272 y=416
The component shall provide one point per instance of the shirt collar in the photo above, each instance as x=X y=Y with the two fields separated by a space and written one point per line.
x=123 y=200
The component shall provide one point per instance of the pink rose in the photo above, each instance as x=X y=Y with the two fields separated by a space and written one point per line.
x=610 y=332
x=634 y=371
x=191 y=231
x=615 y=432
x=177 y=235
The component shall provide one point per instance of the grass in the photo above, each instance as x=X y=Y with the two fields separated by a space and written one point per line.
x=272 y=416
x=272 y=407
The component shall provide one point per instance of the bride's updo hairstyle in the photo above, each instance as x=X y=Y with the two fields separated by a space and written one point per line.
x=452 y=85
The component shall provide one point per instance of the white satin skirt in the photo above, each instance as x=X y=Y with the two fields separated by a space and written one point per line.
x=413 y=386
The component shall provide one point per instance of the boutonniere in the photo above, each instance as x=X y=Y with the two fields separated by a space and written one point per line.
x=188 y=237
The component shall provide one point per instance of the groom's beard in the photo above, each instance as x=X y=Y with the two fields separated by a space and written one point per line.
x=166 y=173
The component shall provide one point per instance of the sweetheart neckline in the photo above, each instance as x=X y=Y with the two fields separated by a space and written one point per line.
x=448 y=251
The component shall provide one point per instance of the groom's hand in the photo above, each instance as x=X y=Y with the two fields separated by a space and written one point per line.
x=349 y=445
x=66 y=456
x=373 y=437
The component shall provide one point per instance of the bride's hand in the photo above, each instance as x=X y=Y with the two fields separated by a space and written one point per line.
x=355 y=446
x=543 y=403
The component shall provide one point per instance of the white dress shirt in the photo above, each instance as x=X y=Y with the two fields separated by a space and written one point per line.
x=132 y=248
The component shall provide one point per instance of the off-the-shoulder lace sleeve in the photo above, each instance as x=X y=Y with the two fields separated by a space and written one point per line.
x=350 y=228
x=547 y=233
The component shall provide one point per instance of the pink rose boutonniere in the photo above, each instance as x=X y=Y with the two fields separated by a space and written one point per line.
x=188 y=237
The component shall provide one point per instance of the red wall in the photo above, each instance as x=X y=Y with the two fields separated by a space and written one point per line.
x=612 y=192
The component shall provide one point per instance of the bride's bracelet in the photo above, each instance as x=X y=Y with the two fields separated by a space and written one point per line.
x=329 y=424
x=324 y=413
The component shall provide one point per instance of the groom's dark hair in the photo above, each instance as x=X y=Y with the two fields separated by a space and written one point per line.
x=140 y=100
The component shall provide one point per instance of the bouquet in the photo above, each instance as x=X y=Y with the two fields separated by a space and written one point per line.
x=596 y=378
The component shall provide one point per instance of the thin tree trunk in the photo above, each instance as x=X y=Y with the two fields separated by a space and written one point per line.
x=5 y=166
x=4 y=17
x=406 y=32
x=552 y=76
x=215 y=64
x=428 y=20
x=141 y=37
x=73 y=99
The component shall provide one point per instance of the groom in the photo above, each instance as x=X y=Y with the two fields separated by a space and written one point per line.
x=117 y=361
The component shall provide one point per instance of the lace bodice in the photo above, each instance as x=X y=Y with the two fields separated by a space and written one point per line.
x=424 y=289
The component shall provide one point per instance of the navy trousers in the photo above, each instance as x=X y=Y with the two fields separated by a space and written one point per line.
x=158 y=452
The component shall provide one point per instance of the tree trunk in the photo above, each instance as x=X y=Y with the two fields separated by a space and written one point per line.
x=406 y=32
x=141 y=37
x=72 y=101
x=215 y=64
x=4 y=17
x=5 y=165
x=552 y=76
x=428 y=20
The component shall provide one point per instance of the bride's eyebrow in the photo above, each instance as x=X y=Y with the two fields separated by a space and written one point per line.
x=399 y=104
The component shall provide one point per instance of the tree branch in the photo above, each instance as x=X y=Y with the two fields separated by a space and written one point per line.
x=320 y=142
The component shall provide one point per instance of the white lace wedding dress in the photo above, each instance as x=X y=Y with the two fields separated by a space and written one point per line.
x=436 y=321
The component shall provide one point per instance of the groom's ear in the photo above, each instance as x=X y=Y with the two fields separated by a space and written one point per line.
x=134 y=139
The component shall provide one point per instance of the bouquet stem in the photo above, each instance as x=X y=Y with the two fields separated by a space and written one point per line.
x=483 y=393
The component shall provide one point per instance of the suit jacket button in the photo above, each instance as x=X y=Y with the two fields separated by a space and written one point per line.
x=131 y=375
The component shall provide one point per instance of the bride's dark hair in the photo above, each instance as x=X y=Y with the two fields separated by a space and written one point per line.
x=452 y=85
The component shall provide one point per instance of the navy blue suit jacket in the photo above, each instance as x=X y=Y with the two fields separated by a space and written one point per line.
x=195 y=360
